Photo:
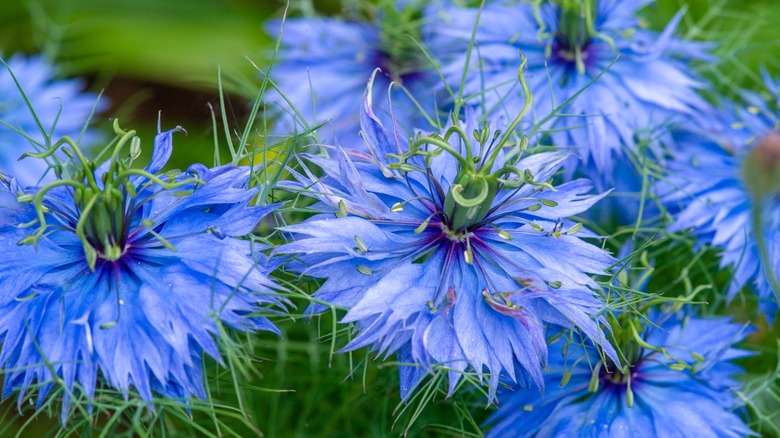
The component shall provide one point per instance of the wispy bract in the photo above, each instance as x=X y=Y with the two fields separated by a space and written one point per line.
x=121 y=276
x=451 y=250
x=60 y=105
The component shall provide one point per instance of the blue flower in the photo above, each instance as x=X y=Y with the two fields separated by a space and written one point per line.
x=680 y=383
x=60 y=105
x=720 y=185
x=451 y=251
x=642 y=78
x=323 y=65
x=126 y=274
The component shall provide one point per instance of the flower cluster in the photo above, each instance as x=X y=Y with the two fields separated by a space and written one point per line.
x=451 y=213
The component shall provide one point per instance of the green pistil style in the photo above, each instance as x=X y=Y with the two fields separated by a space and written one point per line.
x=105 y=212
x=471 y=196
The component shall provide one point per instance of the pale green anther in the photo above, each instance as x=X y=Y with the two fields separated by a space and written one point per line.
x=536 y=226
x=566 y=377
x=25 y=199
x=403 y=167
x=148 y=223
x=397 y=207
x=162 y=240
x=551 y=340
x=593 y=386
x=135 y=148
x=678 y=366
x=629 y=394
x=555 y=284
x=468 y=256
x=697 y=357
x=107 y=325
x=548 y=202
x=483 y=137
x=361 y=246
x=28 y=240
x=27 y=297
x=420 y=228
x=534 y=207
x=364 y=270
x=502 y=234
x=528 y=408
x=342 y=211
x=574 y=229
x=622 y=277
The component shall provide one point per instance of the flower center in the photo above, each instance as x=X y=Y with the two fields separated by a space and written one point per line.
x=573 y=34
x=104 y=198
x=106 y=227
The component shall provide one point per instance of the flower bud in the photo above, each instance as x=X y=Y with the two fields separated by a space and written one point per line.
x=761 y=168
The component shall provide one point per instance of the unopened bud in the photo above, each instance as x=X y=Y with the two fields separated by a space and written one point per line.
x=761 y=168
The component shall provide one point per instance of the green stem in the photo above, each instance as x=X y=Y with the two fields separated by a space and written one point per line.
x=758 y=225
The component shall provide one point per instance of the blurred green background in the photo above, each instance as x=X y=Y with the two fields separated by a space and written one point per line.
x=151 y=55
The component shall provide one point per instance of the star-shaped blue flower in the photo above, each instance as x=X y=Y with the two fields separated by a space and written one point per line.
x=120 y=276
x=451 y=250
x=682 y=385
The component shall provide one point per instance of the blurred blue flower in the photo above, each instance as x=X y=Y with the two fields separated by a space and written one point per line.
x=60 y=106
x=451 y=250
x=642 y=78
x=722 y=184
x=127 y=274
x=323 y=65
x=682 y=384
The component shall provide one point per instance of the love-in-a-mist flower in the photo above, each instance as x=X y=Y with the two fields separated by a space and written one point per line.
x=678 y=381
x=723 y=184
x=60 y=105
x=323 y=65
x=120 y=276
x=451 y=250
x=644 y=77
